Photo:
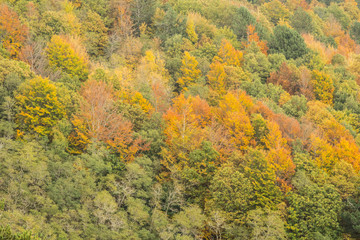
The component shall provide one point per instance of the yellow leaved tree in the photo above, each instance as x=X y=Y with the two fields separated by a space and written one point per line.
x=64 y=57
x=39 y=107
x=190 y=72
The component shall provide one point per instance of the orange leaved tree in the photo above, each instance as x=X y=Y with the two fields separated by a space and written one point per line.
x=12 y=32
x=99 y=119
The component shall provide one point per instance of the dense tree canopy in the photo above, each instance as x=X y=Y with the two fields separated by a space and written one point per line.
x=179 y=119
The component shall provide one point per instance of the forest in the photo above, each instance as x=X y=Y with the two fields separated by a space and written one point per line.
x=180 y=119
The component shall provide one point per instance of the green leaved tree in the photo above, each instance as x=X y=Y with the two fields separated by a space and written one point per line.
x=288 y=42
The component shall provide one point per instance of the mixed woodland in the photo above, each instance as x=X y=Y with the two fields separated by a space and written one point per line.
x=179 y=119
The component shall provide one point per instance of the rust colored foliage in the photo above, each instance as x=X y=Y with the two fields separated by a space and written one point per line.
x=290 y=127
x=99 y=119
x=12 y=32
x=123 y=24
x=281 y=131
x=160 y=92
x=306 y=87
x=287 y=78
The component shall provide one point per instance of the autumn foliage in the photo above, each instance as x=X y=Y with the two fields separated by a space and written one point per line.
x=39 y=107
x=190 y=72
x=99 y=119
x=63 y=57
x=179 y=119
x=12 y=32
x=252 y=36
x=228 y=55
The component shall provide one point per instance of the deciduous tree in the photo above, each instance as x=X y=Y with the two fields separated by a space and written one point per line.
x=39 y=108
x=217 y=77
x=12 y=32
x=288 y=77
x=95 y=32
x=323 y=87
x=228 y=55
x=190 y=72
x=103 y=122
x=234 y=127
x=276 y=11
x=64 y=58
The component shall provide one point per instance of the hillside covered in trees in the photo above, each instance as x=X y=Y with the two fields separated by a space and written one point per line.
x=180 y=119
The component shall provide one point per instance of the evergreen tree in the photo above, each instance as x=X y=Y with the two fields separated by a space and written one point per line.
x=288 y=42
